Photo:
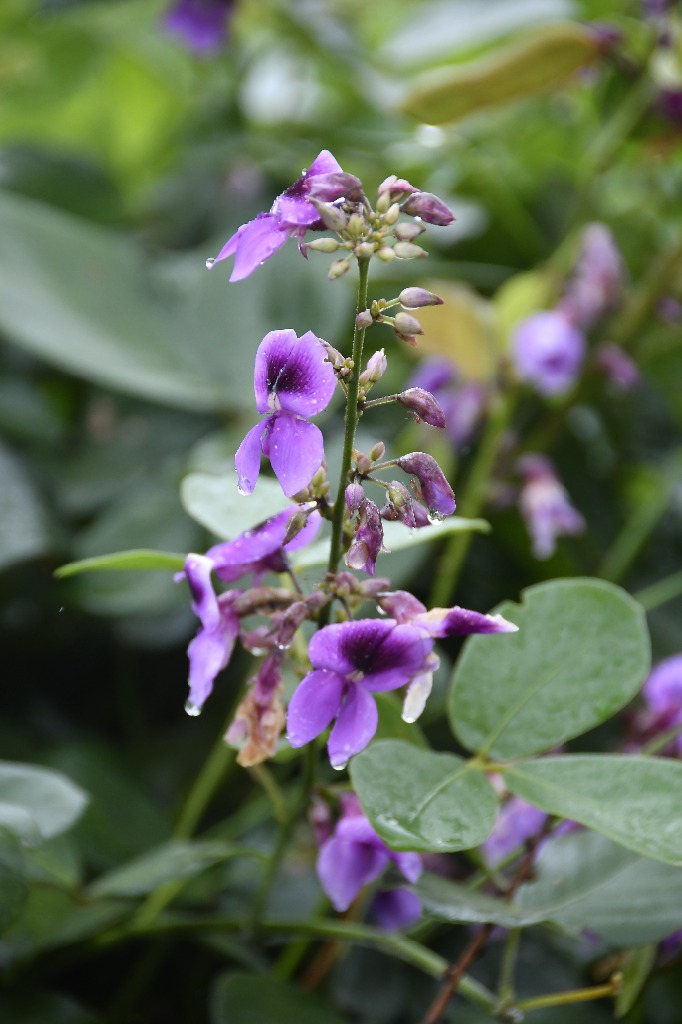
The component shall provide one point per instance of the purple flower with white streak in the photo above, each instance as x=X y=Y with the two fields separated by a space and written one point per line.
x=351 y=661
x=291 y=215
x=548 y=352
x=545 y=506
x=292 y=380
x=202 y=25
x=257 y=551
x=354 y=856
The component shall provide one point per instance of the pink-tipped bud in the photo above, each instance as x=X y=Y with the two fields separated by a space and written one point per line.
x=364 y=320
x=354 y=496
x=428 y=208
x=405 y=325
x=395 y=184
x=335 y=187
x=423 y=405
x=408 y=251
x=408 y=231
x=362 y=462
x=377 y=364
x=413 y=298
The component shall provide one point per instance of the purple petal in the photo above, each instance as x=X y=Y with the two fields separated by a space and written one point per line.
x=401 y=605
x=662 y=691
x=247 y=458
x=517 y=822
x=368 y=539
x=437 y=492
x=296 y=452
x=202 y=25
x=205 y=605
x=324 y=163
x=463 y=621
x=344 y=867
x=313 y=705
x=292 y=374
x=209 y=652
x=355 y=726
x=395 y=909
x=253 y=243
x=386 y=654
x=408 y=864
x=548 y=352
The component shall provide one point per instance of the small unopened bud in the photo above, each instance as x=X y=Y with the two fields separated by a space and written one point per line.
x=409 y=231
x=423 y=404
x=378 y=451
x=294 y=526
x=365 y=250
x=377 y=364
x=368 y=539
x=362 y=462
x=338 y=269
x=395 y=184
x=386 y=254
x=392 y=214
x=356 y=225
x=428 y=208
x=413 y=298
x=331 y=216
x=364 y=319
x=354 y=496
x=408 y=251
x=383 y=202
x=405 y=324
x=323 y=245
x=334 y=356
x=399 y=504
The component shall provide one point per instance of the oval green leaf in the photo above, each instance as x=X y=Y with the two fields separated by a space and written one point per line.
x=215 y=503
x=139 y=559
x=36 y=803
x=540 y=60
x=419 y=800
x=581 y=653
x=636 y=801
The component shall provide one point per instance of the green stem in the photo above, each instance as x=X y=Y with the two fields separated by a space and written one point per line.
x=474 y=497
x=511 y=948
x=578 y=995
x=351 y=422
x=661 y=592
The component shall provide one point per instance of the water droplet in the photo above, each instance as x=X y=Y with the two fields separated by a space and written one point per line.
x=209 y=262
x=242 y=490
x=61 y=610
x=435 y=517
x=259 y=651
x=192 y=709
x=339 y=767
x=283 y=647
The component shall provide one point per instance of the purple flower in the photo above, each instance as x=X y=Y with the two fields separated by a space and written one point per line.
x=662 y=693
x=369 y=537
x=548 y=352
x=517 y=822
x=595 y=287
x=291 y=215
x=351 y=661
x=428 y=208
x=257 y=551
x=435 y=489
x=202 y=25
x=353 y=856
x=545 y=505
x=292 y=379
x=617 y=365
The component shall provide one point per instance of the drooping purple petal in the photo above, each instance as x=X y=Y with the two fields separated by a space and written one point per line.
x=394 y=909
x=247 y=458
x=408 y=864
x=345 y=866
x=457 y=621
x=324 y=163
x=315 y=702
x=209 y=652
x=296 y=451
x=235 y=558
x=368 y=539
x=355 y=726
x=292 y=374
x=252 y=244
x=198 y=569
x=401 y=605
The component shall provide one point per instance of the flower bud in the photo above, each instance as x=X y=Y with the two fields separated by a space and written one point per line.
x=409 y=231
x=392 y=214
x=362 y=463
x=386 y=254
x=383 y=202
x=377 y=364
x=335 y=187
x=294 y=526
x=323 y=245
x=399 y=504
x=405 y=324
x=355 y=496
x=377 y=452
x=333 y=355
x=428 y=208
x=408 y=251
x=395 y=184
x=364 y=320
x=356 y=225
x=368 y=539
x=365 y=250
x=331 y=216
x=424 y=405
x=338 y=269
x=435 y=489
x=413 y=298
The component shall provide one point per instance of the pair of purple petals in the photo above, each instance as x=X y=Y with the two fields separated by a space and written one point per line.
x=291 y=215
x=292 y=380
x=257 y=551
x=353 y=660
x=353 y=857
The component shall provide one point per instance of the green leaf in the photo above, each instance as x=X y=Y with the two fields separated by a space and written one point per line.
x=397 y=537
x=585 y=881
x=215 y=503
x=260 y=999
x=36 y=803
x=24 y=525
x=448 y=901
x=420 y=800
x=168 y=863
x=636 y=801
x=541 y=59
x=139 y=560
x=636 y=968
x=13 y=888
x=581 y=653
